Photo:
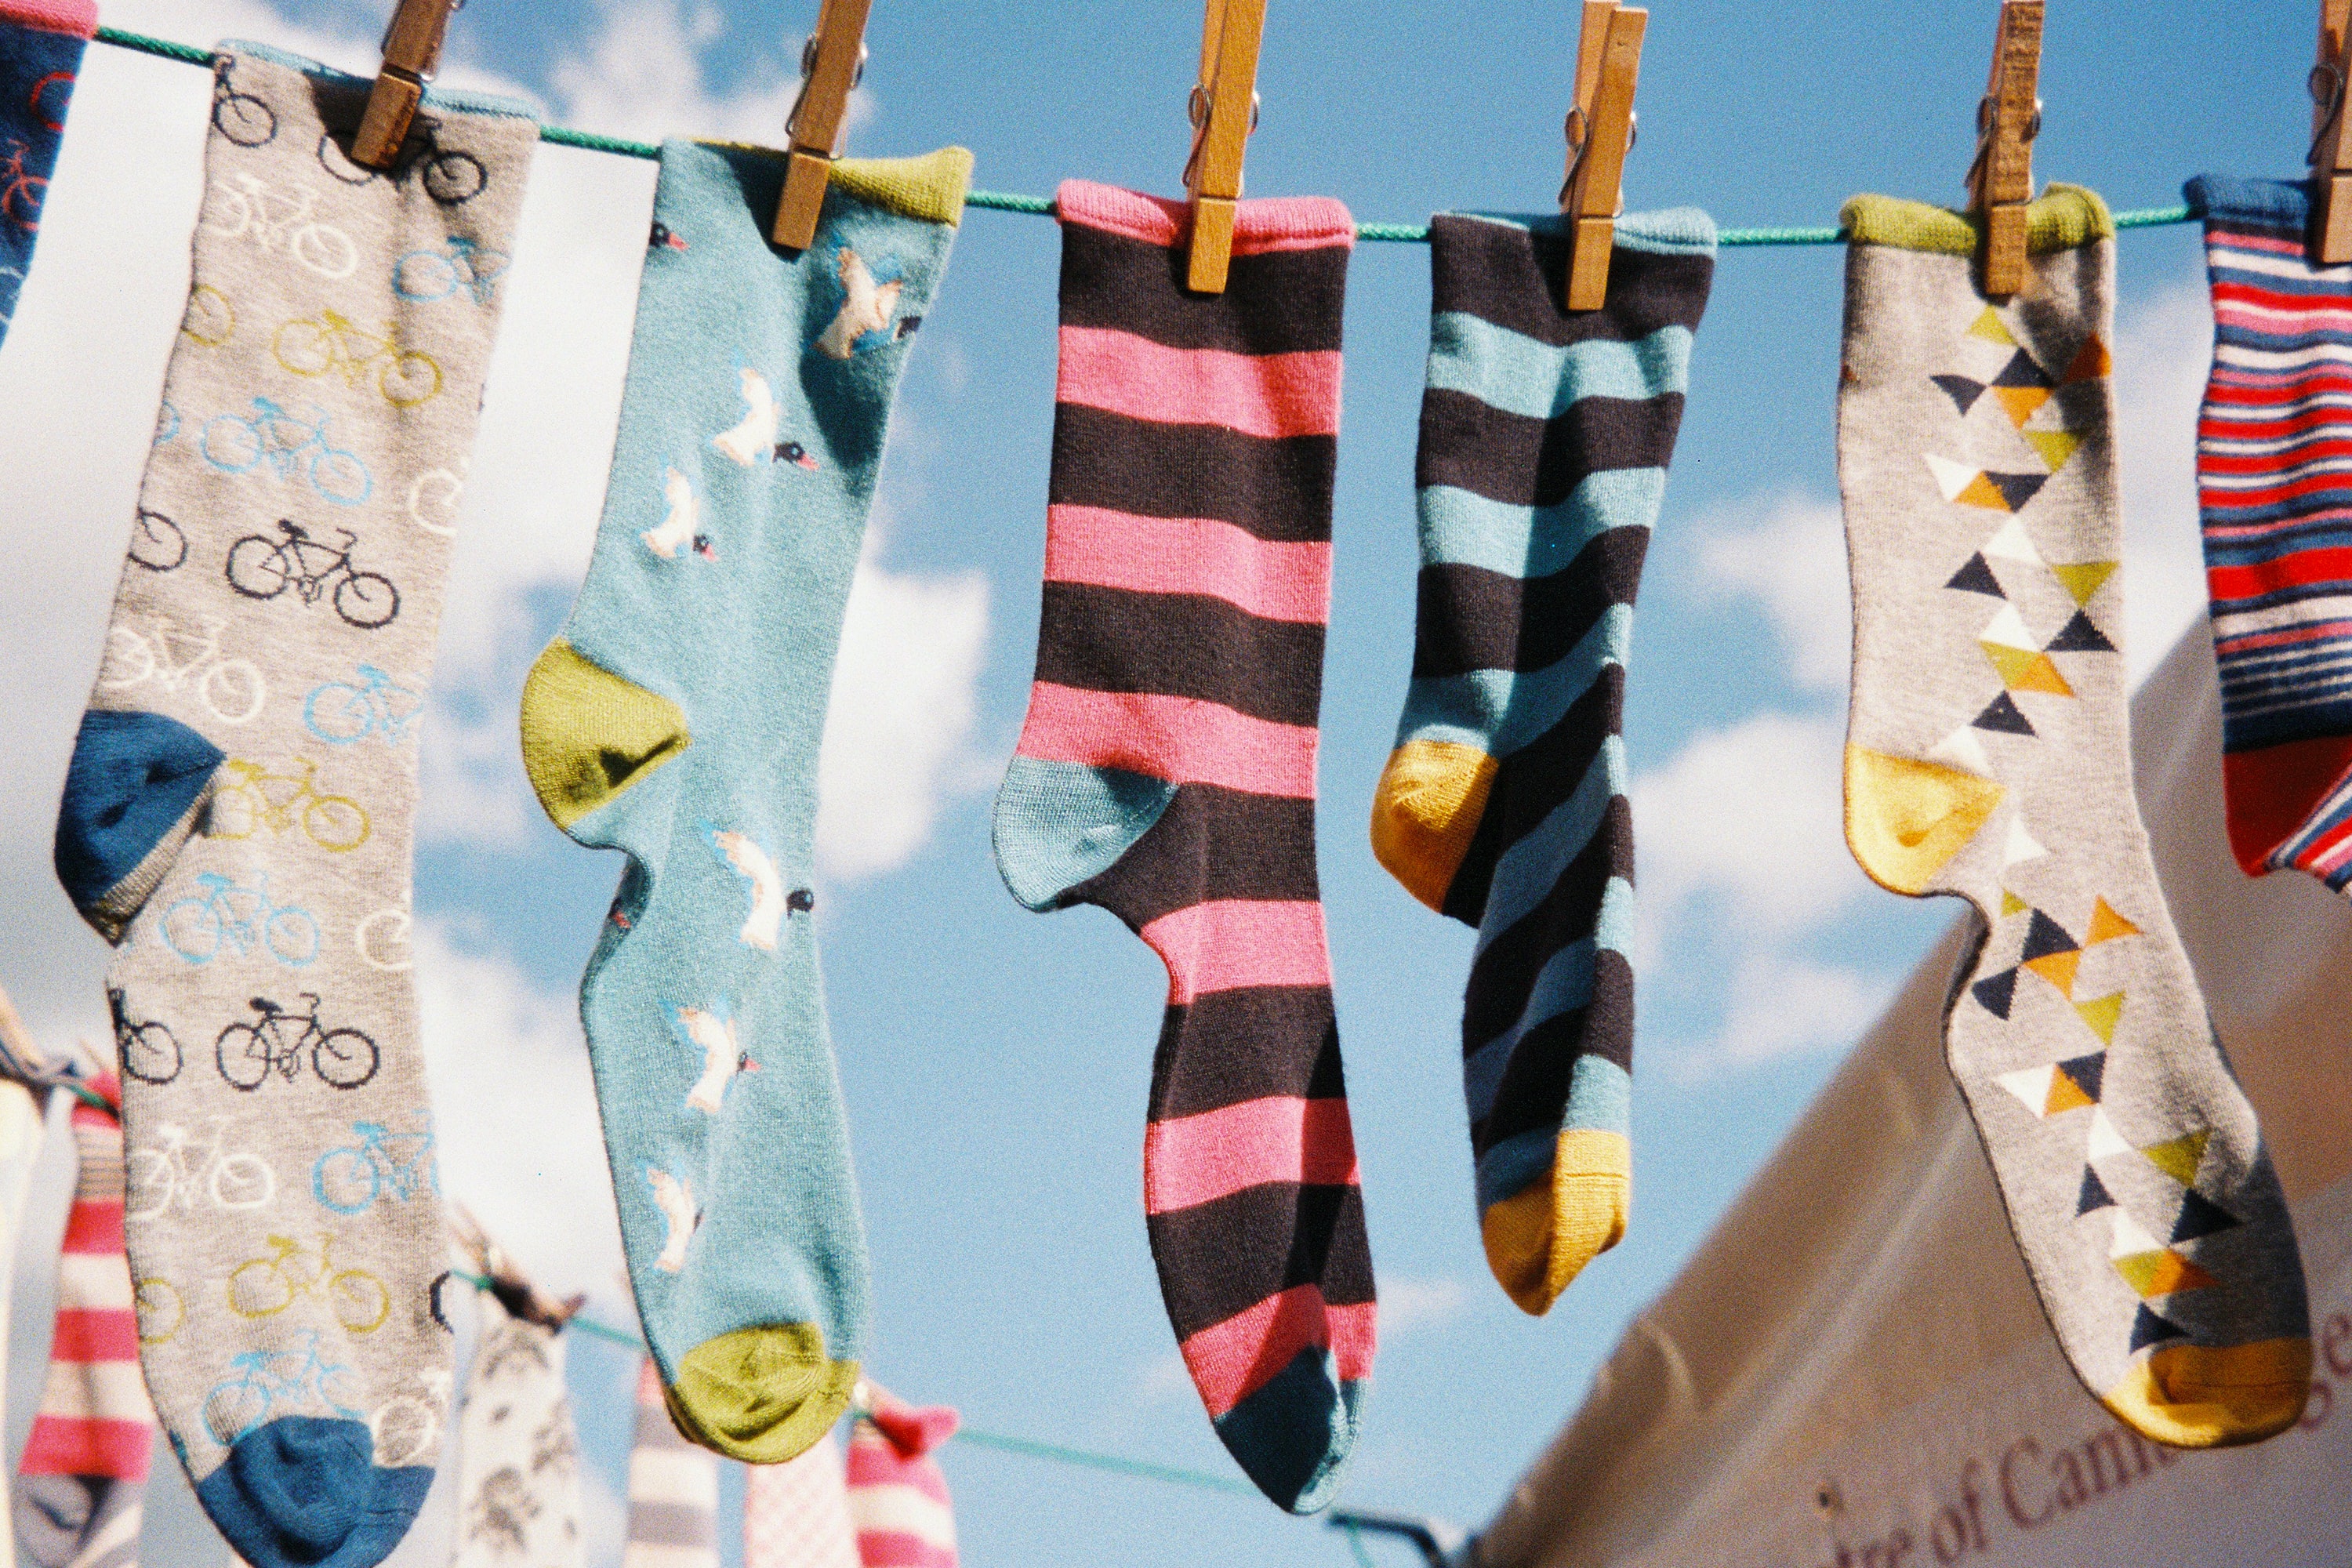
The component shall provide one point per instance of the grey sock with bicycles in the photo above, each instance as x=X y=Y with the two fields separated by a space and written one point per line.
x=238 y=812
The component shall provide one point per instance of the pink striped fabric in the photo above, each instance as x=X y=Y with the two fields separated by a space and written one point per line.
x=1180 y=739
x=1105 y=549
x=1233 y=1360
x=796 y=1514
x=78 y=18
x=1274 y=395
x=897 y=1498
x=1288 y=223
x=1226 y=945
x=1199 y=1159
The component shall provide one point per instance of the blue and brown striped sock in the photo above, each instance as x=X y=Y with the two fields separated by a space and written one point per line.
x=1166 y=773
x=1544 y=441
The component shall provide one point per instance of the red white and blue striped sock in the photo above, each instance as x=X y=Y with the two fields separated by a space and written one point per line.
x=85 y=1467
x=1166 y=773
x=2274 y=483
x=897 y=1498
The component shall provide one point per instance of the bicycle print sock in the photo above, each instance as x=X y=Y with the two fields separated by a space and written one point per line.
x=673 y=1488
x=742 y=474
x=1544 y=435
x=78 y=1486
x=238 y=811
x=518 y=1453
x=2277 y=528
x=1988 y=757
x=1166 y=773
x=41 y=44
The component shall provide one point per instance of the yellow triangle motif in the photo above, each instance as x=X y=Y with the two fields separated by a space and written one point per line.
x=2162 y=1273
x=2179 y=1157
x=1981 y=491
x=1905 y=818
x=2058 y=968
x=2085 y=578
x=1988 y=327
x=2055 y=446
x=2101 y=1013
x=2107 y=925
x=2010 y=904
x=2020 y=402
x=2021 y=669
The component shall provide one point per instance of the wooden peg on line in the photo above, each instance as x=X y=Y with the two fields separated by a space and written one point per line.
x=2009 y=117
x=412 y=53
x=1600 y=132
x=1224 y=111
x=2331 y=138
x=831 y=65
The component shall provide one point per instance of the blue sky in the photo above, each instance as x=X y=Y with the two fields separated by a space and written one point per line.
x=995 y=1062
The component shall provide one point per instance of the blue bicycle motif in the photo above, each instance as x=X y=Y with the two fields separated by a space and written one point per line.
x=430 y=275
x=382 y=1164
x=259 y=1380
x=167 y=424
x=229 y=918
x=236 y=444
x=343 y=713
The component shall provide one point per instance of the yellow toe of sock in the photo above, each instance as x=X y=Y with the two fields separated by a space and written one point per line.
x=1431 y=796
x=762 y=1395
x=1541 y=1238
x=2193 y=1397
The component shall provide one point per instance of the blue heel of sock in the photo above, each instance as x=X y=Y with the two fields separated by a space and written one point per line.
x=1059 y=824
x=305 y=1491
x=133 y=790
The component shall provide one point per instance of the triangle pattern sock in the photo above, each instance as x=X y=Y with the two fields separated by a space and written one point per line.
x=1166 y=773
x=677 y=718
x=84 y=1470
x=1544 y=435
x=2275 y=531
x=237 y=814
x=41 y=44
x=673 y=1488
x=519 y=1454
x=2129 y=1160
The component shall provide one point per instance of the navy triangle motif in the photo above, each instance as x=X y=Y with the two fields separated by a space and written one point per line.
x=1963 y=392
x=2021 y=370
x=2086 y=1072
x=1977 y=577
x=1995 y=992
x=2016 y=488
x=2202 y=1217
x=2046 y=936
x=2079 y=636
x=2147 y=1329
x=2002 y=717
x=2093 y=1196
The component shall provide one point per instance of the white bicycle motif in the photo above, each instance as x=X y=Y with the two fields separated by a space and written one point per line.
x=172 y=654
x=432 y=500
x=403 y=1427
x=182 y=1171
x=253 y=209
x=362 y=939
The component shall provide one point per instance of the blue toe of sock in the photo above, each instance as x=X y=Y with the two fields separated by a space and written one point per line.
x=304 y=1491
x=129 y=785
x=1295 y=1435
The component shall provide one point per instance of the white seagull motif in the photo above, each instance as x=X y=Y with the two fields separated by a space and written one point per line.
x=754 y=435
x=868 y=308
x=677 y=529
x=714 y=1037
x=759 y=869
x=679 y=1218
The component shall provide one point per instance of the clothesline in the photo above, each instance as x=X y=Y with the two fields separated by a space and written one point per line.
x=1042 y=207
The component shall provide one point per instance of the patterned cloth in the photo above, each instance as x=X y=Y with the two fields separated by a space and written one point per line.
x=2274 y=481
x=41 y=44
x=897 y=1498
x=673 y=1489
x=518 y=1455
x=796 y=1514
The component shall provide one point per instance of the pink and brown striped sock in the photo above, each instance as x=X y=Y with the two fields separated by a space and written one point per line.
x=85 y=1467
x=1167 y=773
x=897 y=1498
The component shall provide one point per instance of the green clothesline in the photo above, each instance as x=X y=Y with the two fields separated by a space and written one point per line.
x=1142 y=1469
x=1042 y=206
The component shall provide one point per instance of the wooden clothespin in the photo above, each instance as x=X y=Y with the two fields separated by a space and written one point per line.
x=2009 y=117
x=831 y=63
x=412 y=53
x=2331 y=138
x=1223 y=111
x=1600 y=132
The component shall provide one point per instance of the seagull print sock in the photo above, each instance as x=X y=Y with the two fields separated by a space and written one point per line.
x=1545 y=435
x=237 y=814
x=85 y=1467
x=2277 y=502
x=676 y=719
x=41 y=43
x=1166 y=773
x=1988 y=757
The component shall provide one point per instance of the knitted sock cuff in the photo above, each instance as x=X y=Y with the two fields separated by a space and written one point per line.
x=1284 y=223
x=2063 y=218
x=78 y=18
x=2272 y=203
x=930 y=187
x=326 y=76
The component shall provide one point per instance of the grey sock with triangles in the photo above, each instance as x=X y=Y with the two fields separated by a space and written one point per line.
x=1988 y=757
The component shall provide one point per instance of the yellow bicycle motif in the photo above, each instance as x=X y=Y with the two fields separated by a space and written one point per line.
x=265 y=1287
x=260 y=799
x=210 y=319
x=330 y=343
x=161 y=1310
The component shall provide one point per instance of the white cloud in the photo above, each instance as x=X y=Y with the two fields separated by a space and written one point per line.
x=1409 y=1302
x=1780 y=1005
x=1786 y=550
x=642 y=77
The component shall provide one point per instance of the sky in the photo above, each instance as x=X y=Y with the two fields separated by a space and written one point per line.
x=995 y=1062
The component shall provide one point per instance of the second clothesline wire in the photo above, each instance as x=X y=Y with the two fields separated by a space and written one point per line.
x=1042 y=207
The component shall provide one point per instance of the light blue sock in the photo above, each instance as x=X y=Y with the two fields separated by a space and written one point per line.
x=677 y=718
